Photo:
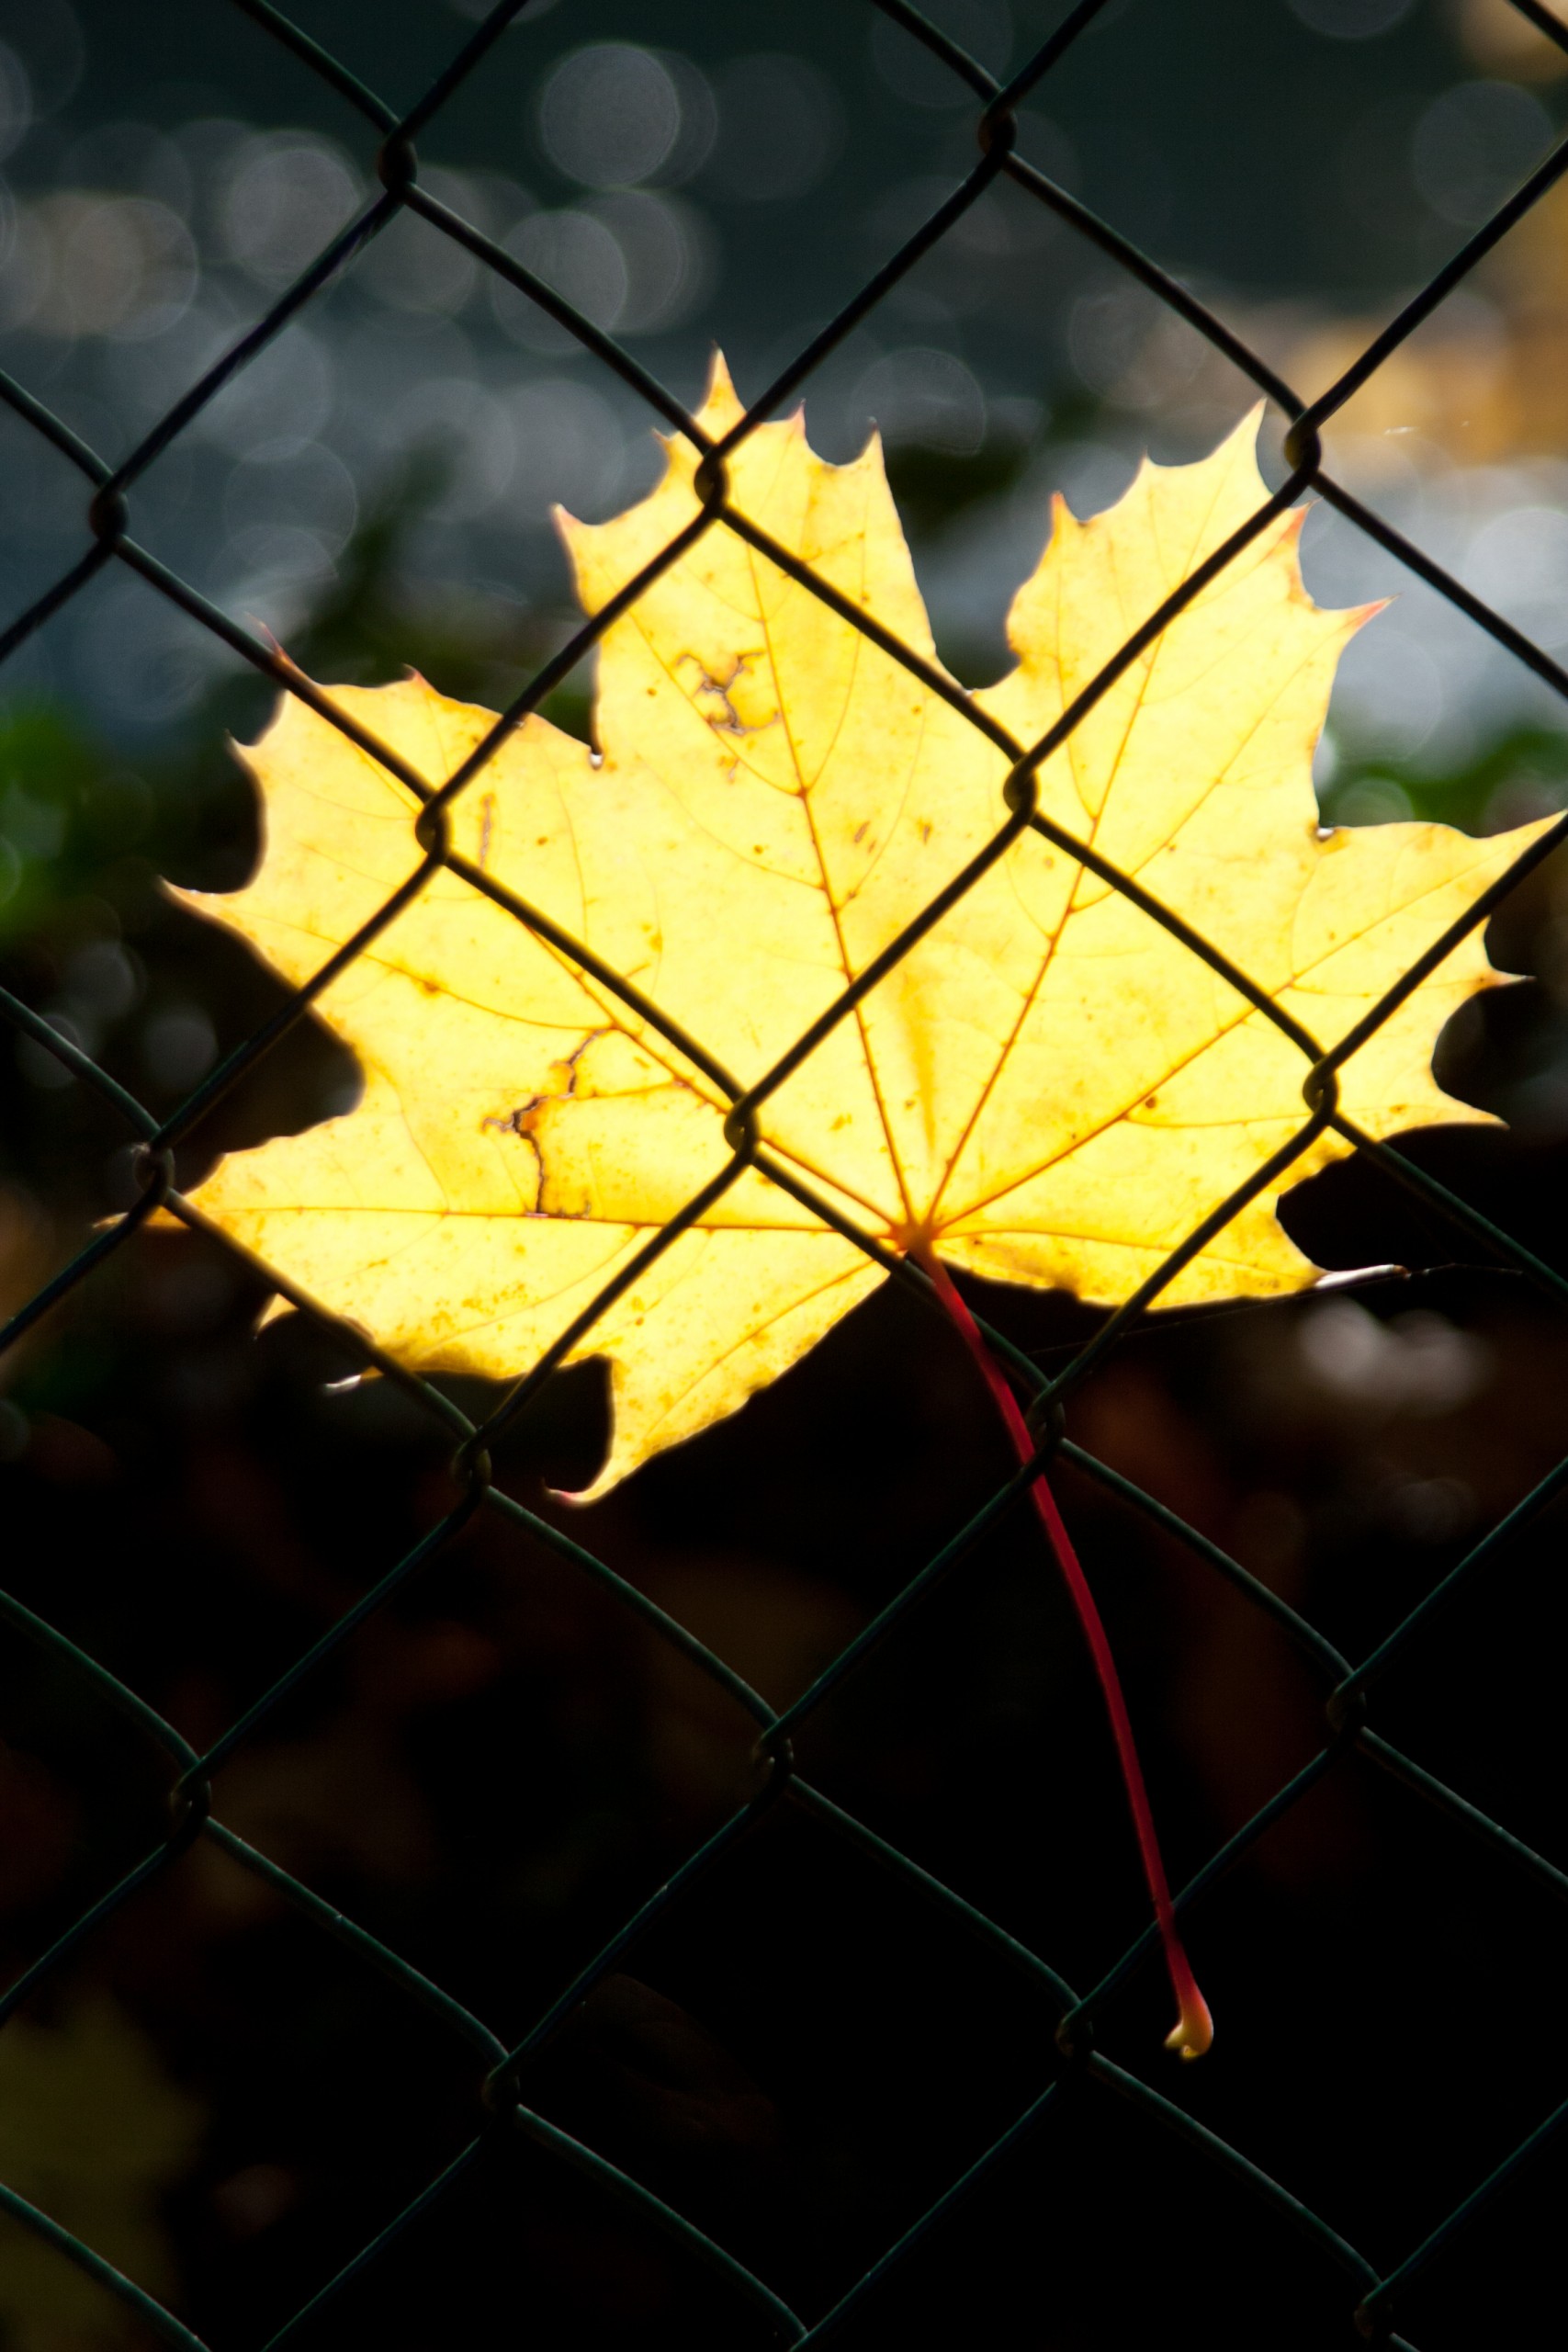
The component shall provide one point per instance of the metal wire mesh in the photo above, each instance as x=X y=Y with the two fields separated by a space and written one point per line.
x=1372 y=2297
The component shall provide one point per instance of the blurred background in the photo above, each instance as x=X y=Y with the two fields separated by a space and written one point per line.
x=501 y=1765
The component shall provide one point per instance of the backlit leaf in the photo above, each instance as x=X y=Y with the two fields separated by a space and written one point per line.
x=1049 y=1089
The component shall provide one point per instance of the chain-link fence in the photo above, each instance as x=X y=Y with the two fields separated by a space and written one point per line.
x=1348 y=1685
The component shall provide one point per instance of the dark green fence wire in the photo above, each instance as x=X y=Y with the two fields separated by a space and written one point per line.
x=1370 y=2298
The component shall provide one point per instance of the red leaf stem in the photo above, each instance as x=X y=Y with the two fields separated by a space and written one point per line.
x=1194 y=2029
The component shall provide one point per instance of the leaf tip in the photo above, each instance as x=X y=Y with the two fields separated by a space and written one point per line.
x=722 y=406
x=577 y=1497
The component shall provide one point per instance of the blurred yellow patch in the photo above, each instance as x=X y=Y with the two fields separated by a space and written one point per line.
x=1494 y=34
x=93 y=2133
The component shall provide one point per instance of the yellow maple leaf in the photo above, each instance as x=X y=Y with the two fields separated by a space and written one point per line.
x=1049 y=1089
